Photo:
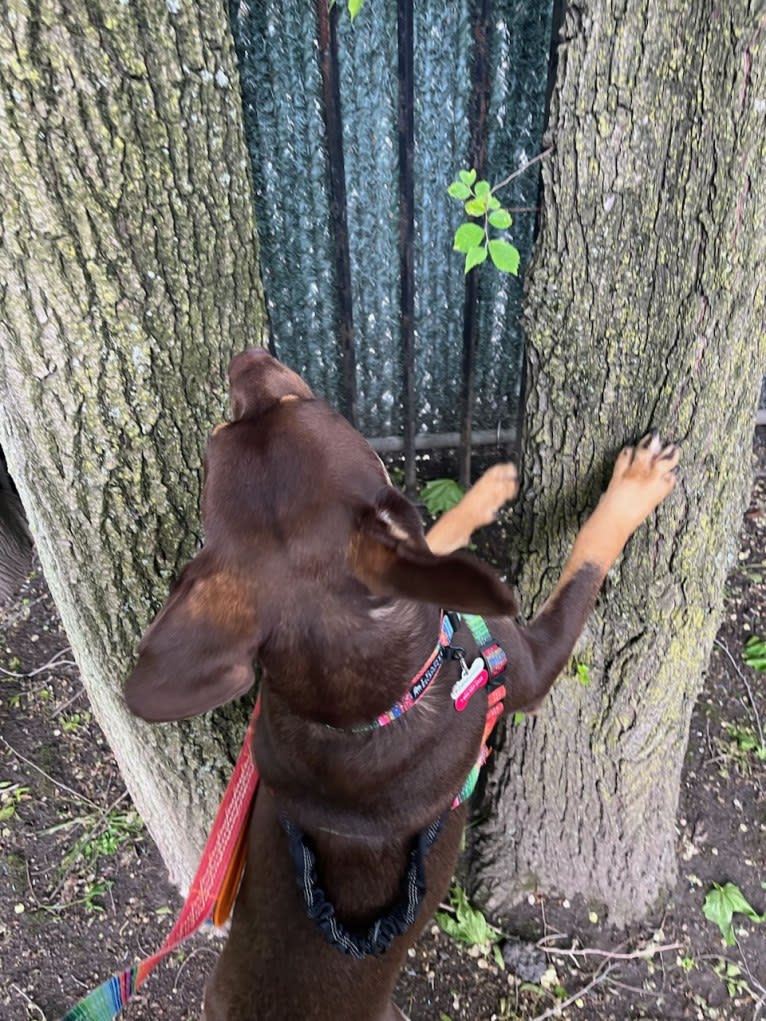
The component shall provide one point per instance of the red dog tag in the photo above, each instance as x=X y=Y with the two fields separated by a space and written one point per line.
x=471 y=680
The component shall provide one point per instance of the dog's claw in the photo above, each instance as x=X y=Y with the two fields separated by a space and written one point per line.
x=643 y=476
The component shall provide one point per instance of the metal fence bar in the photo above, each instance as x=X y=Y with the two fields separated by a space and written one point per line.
x=446 y=441
x=406 y=128
x=480 y=77
x=333 y=118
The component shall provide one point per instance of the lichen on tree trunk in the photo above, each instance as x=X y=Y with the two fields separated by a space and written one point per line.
x=645 y=308
x=128 y=269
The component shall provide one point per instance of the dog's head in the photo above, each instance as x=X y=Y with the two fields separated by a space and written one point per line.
x=297 y=508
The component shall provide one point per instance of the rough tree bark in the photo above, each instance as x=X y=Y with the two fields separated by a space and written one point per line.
x=645 y=307
x=128 y=276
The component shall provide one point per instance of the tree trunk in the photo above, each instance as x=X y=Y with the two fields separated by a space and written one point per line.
x=128 y=261
x=645 y=307
x=15 y=540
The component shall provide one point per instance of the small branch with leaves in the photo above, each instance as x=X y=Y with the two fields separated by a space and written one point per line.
x=480 y=202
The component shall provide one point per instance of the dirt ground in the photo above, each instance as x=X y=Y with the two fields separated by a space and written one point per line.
x=84 y=893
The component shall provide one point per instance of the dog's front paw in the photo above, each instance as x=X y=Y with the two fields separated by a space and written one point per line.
x=643 y=476
x=478 y=507
x=496 y=487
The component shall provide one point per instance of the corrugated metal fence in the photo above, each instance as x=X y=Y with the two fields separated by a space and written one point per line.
x=355 y=131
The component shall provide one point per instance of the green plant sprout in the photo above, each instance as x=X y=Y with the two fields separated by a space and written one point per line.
x=473 y=239
x=104 y=836
x=722 y=903
x=480 y=202
x=11 y=795
x=746 y=740
x=583 y=674
x=755 y=653
x=736 y=984
x=468 y=925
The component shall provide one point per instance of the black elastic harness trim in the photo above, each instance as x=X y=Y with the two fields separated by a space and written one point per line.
x=396 y=920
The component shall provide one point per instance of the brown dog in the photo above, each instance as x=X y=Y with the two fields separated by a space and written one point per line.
x=317 y=568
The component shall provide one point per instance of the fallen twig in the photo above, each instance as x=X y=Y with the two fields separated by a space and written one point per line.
x=31 y=1005
x=612 y=955
x=56 y=783
x=601 y=976
x=53 y=661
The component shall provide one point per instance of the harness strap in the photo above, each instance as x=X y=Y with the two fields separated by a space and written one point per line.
x=384 y=930
x=212 y=892
x=398 y=918
x=491 y=652
x=418 y=684
x=496 y=661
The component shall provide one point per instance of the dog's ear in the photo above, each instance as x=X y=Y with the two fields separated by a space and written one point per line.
x=198 y=653
x=390 y=556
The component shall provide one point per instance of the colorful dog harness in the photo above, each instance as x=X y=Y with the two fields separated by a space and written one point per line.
x=487 y=669
x=216 y=881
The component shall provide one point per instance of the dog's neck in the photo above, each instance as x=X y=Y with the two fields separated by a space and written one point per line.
x=358 y=662
x=362 y=780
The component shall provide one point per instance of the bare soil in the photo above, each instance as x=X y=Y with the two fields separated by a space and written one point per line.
x=84 y=892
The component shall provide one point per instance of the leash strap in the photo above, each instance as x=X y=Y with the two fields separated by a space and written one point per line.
x=212 y=892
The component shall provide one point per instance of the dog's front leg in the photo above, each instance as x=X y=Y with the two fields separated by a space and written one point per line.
x=643 y=476
x=478 y=507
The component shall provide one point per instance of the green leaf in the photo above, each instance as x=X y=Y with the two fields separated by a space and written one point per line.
x=501 y=219
x=467 y=236
x=722 y=903
x=458 y=190
x=755 y=653
x=482 y=189
x=475 y=207
x=354 y=7
x=746 y=740
x=441 y=495
x=493 y=202
x=475 y=256
x=505 y=257
x=448 y=924
x=467 y=177
x=468 y=924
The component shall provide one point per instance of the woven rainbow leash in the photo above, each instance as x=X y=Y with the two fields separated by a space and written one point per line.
x=212 y=892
